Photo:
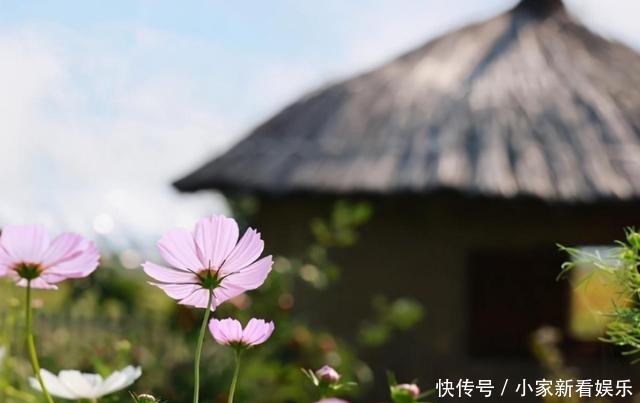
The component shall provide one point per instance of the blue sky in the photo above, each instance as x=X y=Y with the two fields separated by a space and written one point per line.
x=104 y=103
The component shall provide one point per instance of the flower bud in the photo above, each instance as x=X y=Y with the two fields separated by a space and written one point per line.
x=405 y=393
x=328 y=375
x=410 y=388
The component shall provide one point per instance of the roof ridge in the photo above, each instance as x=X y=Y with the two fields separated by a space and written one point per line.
x=541 y=8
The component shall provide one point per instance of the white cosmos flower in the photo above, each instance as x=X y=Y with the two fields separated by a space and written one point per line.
x=72 y=384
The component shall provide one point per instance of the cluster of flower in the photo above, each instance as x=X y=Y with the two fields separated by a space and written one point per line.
x=207 y=267
x=540 y=388
x=204 y=268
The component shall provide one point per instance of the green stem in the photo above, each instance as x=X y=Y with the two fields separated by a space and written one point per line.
x=234 y=382
x=31 y=346
x=196 y=370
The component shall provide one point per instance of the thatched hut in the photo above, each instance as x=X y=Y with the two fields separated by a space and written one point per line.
x=480 y=151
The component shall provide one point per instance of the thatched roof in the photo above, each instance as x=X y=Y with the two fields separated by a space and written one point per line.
x=529 y=103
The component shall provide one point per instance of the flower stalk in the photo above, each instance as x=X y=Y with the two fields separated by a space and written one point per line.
x=31 y=346
x=196 y=369
x=236 y=374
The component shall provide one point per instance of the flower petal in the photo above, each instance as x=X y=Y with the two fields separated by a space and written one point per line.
x=66 y=246
x=198 y=299
x=26 y=243
x=226 y=331
x=215 y=238
x=250 y=277
x=50 y=279
x=120 y=380
x=245 y=252
x=53 y=385
x=71 y=256
x=82 y=385
x=216 y=331
x=253 y=330
x=225 y=292
x=177 y=291
x=257 y=332
x=267 y=333
x=168 y=275
x=233 y=329
x=39 y=283
x=178 y=248
x=7 y=261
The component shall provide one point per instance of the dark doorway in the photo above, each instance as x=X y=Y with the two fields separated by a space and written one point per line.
x=511 y=294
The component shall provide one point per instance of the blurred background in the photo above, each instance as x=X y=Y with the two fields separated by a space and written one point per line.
x=414 y=203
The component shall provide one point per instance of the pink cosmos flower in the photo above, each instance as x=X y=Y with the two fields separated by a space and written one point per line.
x=28 y=255
x=332 y=400
x=209 y=259
x=229 y=332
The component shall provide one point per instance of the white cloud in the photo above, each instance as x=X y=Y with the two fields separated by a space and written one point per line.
x=77 y=129
x=390 y=28
x=97 y=122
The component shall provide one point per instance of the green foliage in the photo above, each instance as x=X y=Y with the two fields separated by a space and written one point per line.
x=341 y=229
x=622 y=263
x=399 y=315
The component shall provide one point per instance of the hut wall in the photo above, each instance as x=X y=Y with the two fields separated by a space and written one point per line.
x=431 y=250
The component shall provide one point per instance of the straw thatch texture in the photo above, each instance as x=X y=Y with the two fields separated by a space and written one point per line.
x=529 y=103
